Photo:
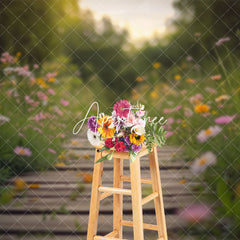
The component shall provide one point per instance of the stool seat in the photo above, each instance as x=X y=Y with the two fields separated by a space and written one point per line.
x=100 y=192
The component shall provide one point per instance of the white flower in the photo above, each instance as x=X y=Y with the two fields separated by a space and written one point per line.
x=3 y=119
x=200 y=164
x=94 y=138
x=212 y=131
x=138 y=129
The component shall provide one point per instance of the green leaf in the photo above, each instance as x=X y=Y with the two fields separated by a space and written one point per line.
x=132 y=156
x=104 y=148
x=107 y=157
x=224 y=193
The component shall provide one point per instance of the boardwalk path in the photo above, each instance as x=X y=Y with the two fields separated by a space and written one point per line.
x=60 y=205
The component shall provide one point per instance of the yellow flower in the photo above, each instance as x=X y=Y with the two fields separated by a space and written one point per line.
x=214 y=112
x=157 y=65
x=137 y=139
x=52 y=79
x=20 y=184
x=201 y=108
x=73 y=142
x=154 y=94
x=42 y=83
x=60 y=164
x=177 y=77
x=104 y=129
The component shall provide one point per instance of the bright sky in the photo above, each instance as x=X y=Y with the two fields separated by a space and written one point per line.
x=142 y=18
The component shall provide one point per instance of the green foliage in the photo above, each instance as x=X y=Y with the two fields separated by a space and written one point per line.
x=154 y=134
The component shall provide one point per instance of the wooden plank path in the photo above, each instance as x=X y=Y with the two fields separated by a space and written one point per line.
x=59 y=207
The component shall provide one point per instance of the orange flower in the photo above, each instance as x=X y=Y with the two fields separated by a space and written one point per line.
x=87 y=177
x=104 y=129
x=201 y=108
x=139 y=79
x=34 y=186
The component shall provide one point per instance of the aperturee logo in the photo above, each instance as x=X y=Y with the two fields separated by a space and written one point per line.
x=127 y=129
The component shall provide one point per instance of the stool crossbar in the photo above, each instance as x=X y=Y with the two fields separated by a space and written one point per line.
x=100 y=192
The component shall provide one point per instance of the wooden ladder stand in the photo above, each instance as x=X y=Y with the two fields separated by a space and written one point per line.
x=99 y=193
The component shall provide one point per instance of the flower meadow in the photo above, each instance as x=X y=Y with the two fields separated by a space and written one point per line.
x=203 y=113
x=31 y=117
x=126 y=130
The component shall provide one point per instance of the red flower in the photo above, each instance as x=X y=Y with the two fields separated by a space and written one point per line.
x=109 y=143
x=120 y=146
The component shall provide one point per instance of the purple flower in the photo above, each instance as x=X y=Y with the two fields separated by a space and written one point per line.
x=222 y=40
x=22 y=151
x=136 y=148
x=127 y=140
x=126 y=148
x=92 y=124
x=224 y=119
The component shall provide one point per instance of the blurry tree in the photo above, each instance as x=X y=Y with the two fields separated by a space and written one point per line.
x=97 y=48
x=198 y=25
x=33 y=27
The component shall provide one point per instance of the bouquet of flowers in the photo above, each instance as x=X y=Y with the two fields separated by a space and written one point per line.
x=126 y=130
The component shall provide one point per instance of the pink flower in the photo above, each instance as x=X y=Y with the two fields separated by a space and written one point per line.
x=216 y=77
x=212 y=131
x=58 y=111
x=211 y=90
x=196 y=99
x=42 y=96
x=140 y=113
x=188 y=112
x=170 y=121
x=21 y=135
x=178 y=107
x=39 y=117
x=168 y=134
x=122 y=108
x=195 y=213
x=131 y=120
x=222 y=40
x=22 y=151
x=62 y=135
x=167 y=110
x=52 y=150
x=224 y=119
x=51 y=91
x=35 y=66
x=64 y=102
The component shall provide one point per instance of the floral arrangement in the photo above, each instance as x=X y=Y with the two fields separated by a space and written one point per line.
x=126 y=130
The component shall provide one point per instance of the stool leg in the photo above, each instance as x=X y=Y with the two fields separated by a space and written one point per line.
x=95 y=198
x=137 y=199
x=117 y=198
x=158 y=201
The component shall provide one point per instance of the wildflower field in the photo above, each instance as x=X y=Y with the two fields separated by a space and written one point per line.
x=56 y=59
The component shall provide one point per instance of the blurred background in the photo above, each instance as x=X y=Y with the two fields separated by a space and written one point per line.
x=180 y=58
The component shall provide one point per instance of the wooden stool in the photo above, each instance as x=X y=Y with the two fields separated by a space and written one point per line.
x=99 y=192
